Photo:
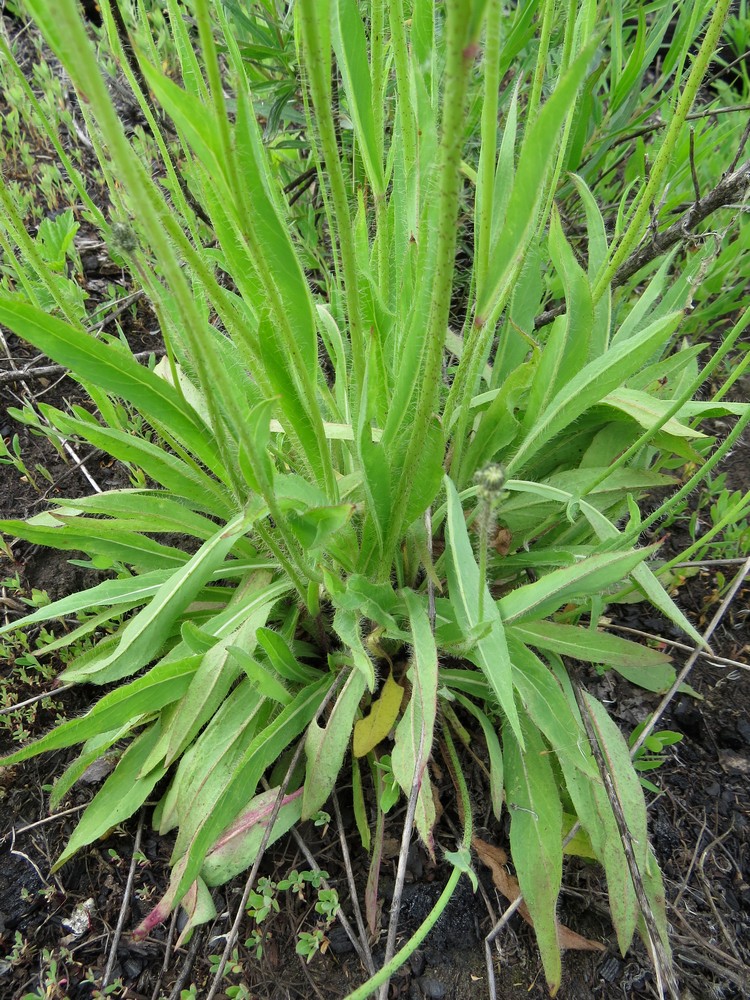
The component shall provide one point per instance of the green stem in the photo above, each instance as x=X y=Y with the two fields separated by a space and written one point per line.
x=317 y=63
x=649 y=193
x=401 y=61
x=541 y=61
x=725 y=447
x=687 y=394
x=459 y=59
x=487 y=156
x=484 y=518
x=384 y=974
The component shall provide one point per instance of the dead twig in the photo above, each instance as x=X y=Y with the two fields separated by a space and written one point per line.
x=665 y=975
x=711 y=657
x=680 y=679
x=352 y=887
x=167 y=955
x=125 y=906
x=37 y=697
x=42 y=371
x=731 y=187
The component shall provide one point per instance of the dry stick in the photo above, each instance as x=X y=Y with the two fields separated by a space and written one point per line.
x=29 y=374
x=648 y=729
x=709 y=896
x=125 y=905
x=390 y=945
x=187 y=966
x=491 y=937
x=352 y=887
x=688 y=874
x=167 y=955
x=42 y=822
x=662 y=962
x=729 y=187
x=364 y=954
x=37 y=697
x=234 y=931
x=711 y=657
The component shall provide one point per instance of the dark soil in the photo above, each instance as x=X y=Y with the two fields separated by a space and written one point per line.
x=56 y=930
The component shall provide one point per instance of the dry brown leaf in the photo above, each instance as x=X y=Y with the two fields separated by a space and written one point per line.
x=495 y=859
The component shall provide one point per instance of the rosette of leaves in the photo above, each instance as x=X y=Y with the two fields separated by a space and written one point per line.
x=324 y=389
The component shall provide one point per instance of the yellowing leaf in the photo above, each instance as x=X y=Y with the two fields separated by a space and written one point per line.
x=368 y=732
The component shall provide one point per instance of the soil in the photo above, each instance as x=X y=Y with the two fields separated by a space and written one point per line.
x=56 y=930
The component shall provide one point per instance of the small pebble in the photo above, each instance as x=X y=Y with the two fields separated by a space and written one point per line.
x=418 y=963
x=338 y=941
x=433 y=988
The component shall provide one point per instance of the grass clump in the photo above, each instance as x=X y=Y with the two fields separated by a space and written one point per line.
x=424 y=355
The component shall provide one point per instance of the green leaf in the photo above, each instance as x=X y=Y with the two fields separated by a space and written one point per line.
x=268 y=684
x=589 y=577
x=241 y=783
x=206 y=766
x=132 y=591
x=313 y=528
x=589 y=645
x=124 y=791
x=649 y=412
x=164 y=683
x=346 y=624
x=96 y=538
x=594 y=812
x=283 y=660
x=644 y=577
x=536 y=838
x=494 y=752
x=350 y=46
x=463 y=583
x=534 y=165
x=600 y=377
x=547 y=706
x=115 y=371
x=144 y=635
x=624 y=779
x=414 y=733
x=325 y=746
x=236 y=848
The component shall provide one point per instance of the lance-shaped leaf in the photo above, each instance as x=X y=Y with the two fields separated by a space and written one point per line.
x=144 y=635
x=124 y=791
x=415 y=730
x=346 y=625
x=115 y=371
x=624 y=778
x=536 y=839
x=490 y=652
x=589 y=576
x=640 y=664
x=206 y=766
x=237 y=847
x=595 y=815
x=266 y=748
x=494 y=752
x=592 y=383
x=163 y=684
x=350 y=45
x=325 y=746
